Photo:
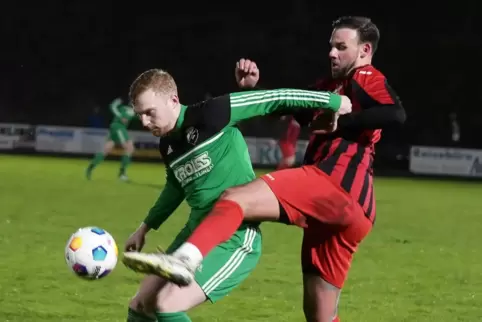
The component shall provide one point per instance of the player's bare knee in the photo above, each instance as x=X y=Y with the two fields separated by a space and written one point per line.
x=256 y=199
x=132 y=148
x=136 y=304
x=232 y=194
x=162 y=307
x=172 y=298
x=239 y=196
x=129 y=147
x=145 y=299
x=108 y=146
x=142 y=304
x=165 y=304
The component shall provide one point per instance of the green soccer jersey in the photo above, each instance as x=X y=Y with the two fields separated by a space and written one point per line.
x=207 y=154
x=123 y=114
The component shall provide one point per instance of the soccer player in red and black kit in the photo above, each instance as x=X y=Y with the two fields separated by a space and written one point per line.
x=331 y=196
x=287 y=143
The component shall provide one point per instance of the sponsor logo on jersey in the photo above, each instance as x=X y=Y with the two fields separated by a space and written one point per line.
x=193 y=169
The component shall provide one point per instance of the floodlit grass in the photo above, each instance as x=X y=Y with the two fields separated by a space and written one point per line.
x=422 y=262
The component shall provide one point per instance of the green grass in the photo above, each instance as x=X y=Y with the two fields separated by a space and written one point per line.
x=422 y=262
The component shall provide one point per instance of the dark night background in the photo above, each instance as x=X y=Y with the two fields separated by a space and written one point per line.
x=60 y=60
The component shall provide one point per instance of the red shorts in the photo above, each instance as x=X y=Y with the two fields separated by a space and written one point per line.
x=334 y=223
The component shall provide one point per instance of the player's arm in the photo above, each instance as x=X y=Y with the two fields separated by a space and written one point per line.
x=127 y=112
x=247 y=77
x=249 y=104
x=380 y=105
x=302 y=116
x=305 y=116
x=227 y=110
x=114 y=107
x=170 y=198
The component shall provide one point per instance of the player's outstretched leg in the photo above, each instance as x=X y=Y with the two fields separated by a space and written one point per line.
x=98 y=158
x=299 y=192
x=253 y=201
x=162 y=265
x=126 y=159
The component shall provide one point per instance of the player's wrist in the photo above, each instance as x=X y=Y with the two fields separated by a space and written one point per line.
x=247 y=87
x=144 y=228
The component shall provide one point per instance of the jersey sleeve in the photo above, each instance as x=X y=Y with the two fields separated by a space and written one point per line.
x=305 y=116
x=302 y=116
x=249 y=104
x=373 y=84
x=380 y=106
x=170 y=198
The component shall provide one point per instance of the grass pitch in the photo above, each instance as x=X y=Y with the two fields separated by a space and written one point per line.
x=422 y=261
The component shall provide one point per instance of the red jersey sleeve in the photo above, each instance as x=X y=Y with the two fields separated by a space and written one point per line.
x=374 y=84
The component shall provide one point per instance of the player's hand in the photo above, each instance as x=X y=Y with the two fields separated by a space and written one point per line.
x=136 y=241
x=124 y=120
x=325 y=122
x=246 y=73
x=346 y=105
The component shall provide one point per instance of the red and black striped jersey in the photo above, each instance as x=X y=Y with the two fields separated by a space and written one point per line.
x=347 y=154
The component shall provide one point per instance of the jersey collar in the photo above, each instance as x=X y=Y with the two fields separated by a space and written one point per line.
x=350 y=75
x=180 y=119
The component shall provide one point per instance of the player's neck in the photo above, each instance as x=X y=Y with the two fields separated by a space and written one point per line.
x=359 y=64
x=363 y=62
x=177 y=117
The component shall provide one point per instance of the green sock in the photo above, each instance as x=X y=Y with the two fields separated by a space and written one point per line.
x=172 y=317
x=98 y=158
x=134 y=316
x=125 y=161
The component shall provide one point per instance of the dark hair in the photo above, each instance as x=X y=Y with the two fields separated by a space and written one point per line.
x=367 y=31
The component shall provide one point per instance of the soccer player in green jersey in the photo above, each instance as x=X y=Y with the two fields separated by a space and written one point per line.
x=204 y=154
x=118 y=135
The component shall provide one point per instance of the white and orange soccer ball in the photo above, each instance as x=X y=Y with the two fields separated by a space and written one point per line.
x=91 y=253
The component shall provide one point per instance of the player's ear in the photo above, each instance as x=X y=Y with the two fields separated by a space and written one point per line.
x=175 y=99
x=366 y=50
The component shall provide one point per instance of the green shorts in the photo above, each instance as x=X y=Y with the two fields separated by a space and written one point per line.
x=118 y=134
x=228 y=264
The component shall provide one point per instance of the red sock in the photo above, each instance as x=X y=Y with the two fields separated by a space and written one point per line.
x=221 y=223
x=336 y=319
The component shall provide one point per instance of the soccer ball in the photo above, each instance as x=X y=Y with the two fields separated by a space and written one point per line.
x=91 y=253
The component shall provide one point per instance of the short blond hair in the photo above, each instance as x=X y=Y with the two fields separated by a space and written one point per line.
x=158 y=80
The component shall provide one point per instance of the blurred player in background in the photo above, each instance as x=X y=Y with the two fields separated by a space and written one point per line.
x=119 y=136
x=288 y=142
x=204 y=154
x=331 y=196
